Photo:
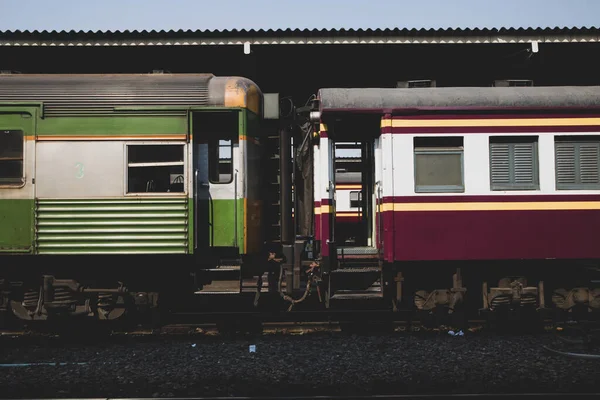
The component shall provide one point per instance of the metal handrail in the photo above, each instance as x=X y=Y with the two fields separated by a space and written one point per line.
x=332 y=196
x=235 y=214
x=379 y=220
x=195 y=208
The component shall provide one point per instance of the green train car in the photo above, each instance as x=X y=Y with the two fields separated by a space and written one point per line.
x=143 y=171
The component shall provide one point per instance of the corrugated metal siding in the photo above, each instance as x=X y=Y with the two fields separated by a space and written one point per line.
x=122 y=226
x=99 y=94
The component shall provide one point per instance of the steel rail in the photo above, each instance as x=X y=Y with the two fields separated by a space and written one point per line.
x=457 y=396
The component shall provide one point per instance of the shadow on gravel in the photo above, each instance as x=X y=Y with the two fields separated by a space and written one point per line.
x=342 y=364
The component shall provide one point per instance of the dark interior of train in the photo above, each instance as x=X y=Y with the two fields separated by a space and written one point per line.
x=355 y=180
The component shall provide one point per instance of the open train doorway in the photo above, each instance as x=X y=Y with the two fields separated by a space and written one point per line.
x=354 y=194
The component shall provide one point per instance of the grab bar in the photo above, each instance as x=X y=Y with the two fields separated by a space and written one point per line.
x=235 y=214
x=195 y=209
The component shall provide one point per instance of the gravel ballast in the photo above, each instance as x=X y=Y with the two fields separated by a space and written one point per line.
x=320 y=364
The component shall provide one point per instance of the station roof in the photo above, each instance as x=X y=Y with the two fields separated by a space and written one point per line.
x=300 y=37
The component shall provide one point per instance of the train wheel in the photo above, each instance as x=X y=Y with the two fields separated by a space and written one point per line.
x=110 y=307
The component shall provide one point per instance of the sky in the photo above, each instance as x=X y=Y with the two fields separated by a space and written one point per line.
x=281 y=14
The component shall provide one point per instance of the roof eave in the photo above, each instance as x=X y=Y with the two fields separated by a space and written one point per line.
x=300 y=37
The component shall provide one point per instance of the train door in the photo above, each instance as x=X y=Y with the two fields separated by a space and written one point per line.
x=216 y=156
x=17 y=180
x=355 y=191
x=377 y=222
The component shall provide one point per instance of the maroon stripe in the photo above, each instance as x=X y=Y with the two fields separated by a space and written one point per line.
x=325 y=233
x=496 y=129
x=420 y=109
x=318 y=227
x=388 y=236
x=347 y=219
x=484 y=235
x=486 y=199
x=386 y=129
x=493 y=116
x=326 y=202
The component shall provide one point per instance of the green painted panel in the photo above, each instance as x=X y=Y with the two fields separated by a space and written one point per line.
x=218 y=224
x=16 y=202
x=16 y=225
x=114 y=126
x=113 y=226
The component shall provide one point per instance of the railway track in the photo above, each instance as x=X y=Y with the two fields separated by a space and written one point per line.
x=268 y=328
x=300 y=322
x=557 y=396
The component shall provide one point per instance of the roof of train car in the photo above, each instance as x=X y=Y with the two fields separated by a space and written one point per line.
x=96 y=93
x=397 y=99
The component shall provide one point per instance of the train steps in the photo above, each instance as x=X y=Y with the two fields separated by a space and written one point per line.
x=356 y=284
x=223 y=279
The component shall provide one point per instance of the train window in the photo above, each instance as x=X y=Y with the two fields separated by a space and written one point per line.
x=355 y=199
x=220 y=160
x=439 y=164
x=11 y=157
x=514 y=163
x=219 y=130
x=155 y=168
x=577 y=162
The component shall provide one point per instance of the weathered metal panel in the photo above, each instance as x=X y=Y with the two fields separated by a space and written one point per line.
x=113 y=226
x=75 y=169
x=457 y=97
x=100 y=94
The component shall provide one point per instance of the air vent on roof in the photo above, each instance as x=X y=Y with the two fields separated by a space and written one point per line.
x=416 y=83
x=513 y=82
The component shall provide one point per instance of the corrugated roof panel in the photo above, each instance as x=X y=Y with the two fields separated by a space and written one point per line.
x=298 y=36
x=100 y=94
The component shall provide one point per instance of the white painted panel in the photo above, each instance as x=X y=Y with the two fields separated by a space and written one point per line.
x=79 y=169
x=546 y=164
x=404 y=171
x=476 y=167
x=326 y=169
x=342 y=200
x=316 y=173
x=388 y=164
